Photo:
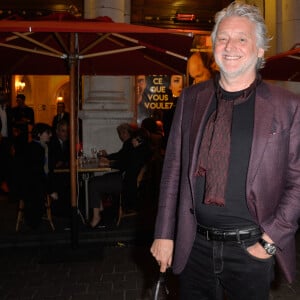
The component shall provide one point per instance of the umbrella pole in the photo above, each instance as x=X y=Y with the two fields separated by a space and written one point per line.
x=73 y=163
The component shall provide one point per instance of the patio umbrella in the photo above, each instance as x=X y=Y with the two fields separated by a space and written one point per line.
x=284 y=66
x=101 y=48
x=92 y=48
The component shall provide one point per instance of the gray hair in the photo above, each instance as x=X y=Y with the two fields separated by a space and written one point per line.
x=125 y=127
x=254 y=15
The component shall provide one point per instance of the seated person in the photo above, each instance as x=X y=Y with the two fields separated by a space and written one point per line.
x=124 y=181
x=59 y=158
x=59 y=146
x=124 y=132
x=36 y=183
x=112 y=182
x=155 y=136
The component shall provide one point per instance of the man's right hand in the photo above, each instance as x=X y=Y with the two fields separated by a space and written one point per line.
x=103 y=162
x=162 y=250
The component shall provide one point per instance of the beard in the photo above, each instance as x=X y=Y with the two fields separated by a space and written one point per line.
x=238 y=70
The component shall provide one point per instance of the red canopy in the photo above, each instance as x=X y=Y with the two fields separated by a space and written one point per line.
x=75 y=26
x=101 y=48
x=284 y=66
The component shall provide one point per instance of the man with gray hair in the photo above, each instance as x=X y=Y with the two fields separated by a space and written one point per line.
x=230 y=189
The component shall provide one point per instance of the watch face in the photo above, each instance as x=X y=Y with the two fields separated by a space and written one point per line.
x=271 y=249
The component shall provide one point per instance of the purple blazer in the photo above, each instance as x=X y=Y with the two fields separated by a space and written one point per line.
x=273 y=180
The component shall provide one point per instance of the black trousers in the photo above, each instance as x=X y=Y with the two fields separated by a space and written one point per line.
x=218 y=268
x=99 y=186
x=5 y=159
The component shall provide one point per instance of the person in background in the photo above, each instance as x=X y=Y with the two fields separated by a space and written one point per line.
x=155 y=137
x=230 y=188
x=110 y=183
x=61 y=114
x=197 y=69
x=5 y=141
x=124 y=181
x=59 y=158
x=59 y=146
x=36 y=183
x=160 y=127
x=22 y=120
x=124 y=131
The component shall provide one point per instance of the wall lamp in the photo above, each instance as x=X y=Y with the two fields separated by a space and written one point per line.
x=20 y=86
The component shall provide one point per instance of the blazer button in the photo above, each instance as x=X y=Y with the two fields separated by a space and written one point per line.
x=192 y=211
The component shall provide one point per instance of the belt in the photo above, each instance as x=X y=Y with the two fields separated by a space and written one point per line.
x=215 y=234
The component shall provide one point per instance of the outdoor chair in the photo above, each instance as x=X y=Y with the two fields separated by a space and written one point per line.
x=48 y=215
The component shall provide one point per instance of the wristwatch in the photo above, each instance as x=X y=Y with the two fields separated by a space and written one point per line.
x=270 y=248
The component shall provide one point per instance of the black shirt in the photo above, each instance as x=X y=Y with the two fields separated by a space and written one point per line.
x=235 y=213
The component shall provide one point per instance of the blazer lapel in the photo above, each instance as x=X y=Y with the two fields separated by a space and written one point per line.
x=263 y=121
x=202 y=98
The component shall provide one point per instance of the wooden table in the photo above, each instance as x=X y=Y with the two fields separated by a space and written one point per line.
x=87 y=169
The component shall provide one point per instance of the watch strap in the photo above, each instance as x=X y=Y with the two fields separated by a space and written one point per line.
x=269 y=247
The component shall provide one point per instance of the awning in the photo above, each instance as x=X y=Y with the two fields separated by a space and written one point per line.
x=101 y=48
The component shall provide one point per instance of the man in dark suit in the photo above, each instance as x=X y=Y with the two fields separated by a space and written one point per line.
x=22 y=123
x=22 y=120
x=5 y=141
x=59 y=146
x=60 y=115
x=230 y=189
x=59 y=158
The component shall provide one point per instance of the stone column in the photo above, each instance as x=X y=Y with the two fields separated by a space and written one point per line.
x=107 y=100
x=283 y=21
x=290 y=24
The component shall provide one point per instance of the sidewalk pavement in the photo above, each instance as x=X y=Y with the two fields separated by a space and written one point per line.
x=114 y=263
x=130 y=229
x=93 y=271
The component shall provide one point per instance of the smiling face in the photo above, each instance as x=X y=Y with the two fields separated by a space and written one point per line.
x=235 y=49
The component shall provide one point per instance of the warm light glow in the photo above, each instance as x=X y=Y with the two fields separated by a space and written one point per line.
x=20 y=86
x=60 y=99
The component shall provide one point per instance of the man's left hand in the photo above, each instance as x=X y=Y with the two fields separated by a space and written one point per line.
x=258 y=251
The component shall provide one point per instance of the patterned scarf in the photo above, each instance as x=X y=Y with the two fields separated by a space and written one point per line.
x=215 y=145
